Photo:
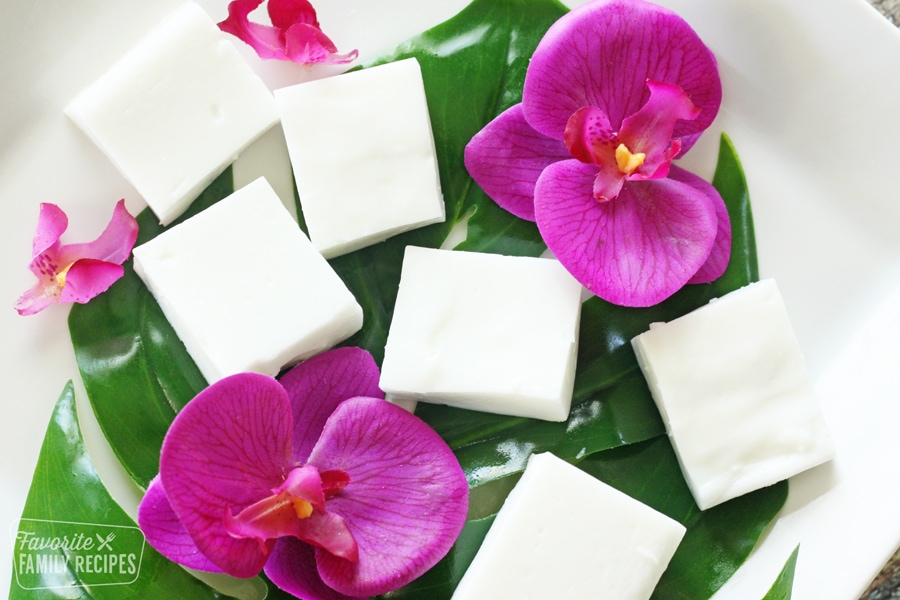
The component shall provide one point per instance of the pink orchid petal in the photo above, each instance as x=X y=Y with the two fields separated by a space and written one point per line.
x=649 y=130
x=165 y=533
x=88 y=278
x=284 y=13
x=603 y=53
x=52 y=223
x=635 y=250
x=590 y=138
x=292 y=567
x=295 y=34
x=406 y=501
x=507 y=157
x=226 y=450
x=306 y=44
x=720 y=255
x=113 y=245
x=36 y=299
x=317 y=386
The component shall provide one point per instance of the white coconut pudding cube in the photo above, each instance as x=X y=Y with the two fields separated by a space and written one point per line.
x=363 y=155
x=485 y=332
x=243 y=287
x=565 y=535
x=731 y=384
x=173 y=112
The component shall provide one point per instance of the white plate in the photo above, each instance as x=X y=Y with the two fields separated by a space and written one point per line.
x=811 y=89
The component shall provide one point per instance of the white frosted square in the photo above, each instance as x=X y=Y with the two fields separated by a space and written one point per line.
x=563 y=534
x=243 y=287
x=485 y=332
x=176 y=110
x=363 y=155
x=730 y=382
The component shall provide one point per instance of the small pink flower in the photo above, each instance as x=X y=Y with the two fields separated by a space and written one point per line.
x=315 y=478
x=294 y=35
x=614 y=92
x=75 y=272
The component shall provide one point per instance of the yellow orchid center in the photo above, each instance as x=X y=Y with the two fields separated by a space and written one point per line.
x=61 y=276
x=303 y=508
x=628 y=162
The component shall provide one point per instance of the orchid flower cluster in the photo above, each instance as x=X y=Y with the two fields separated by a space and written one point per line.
x=313 y=478
x=614 y=92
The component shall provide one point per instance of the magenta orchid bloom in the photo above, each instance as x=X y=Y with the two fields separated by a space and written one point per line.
x=294 y=35
x=75 y=272
x=316 y=479
x=614 y=92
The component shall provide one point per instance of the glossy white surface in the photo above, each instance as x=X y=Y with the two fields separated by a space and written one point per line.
x=811 y=88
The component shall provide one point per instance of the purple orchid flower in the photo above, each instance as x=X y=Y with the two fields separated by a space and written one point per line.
x=294 y=35
x=75 y=272
x=333 y=491
x=615 y=91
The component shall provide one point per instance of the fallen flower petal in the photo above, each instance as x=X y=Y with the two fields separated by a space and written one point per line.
x=294 y=35
x=75 y=272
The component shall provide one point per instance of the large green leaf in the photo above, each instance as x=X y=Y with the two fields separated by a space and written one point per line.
x=68 y=500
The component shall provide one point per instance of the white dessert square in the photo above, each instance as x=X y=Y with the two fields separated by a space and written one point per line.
x=563 y=534
x=363 y=155
x=243 y=287
x=484 y=332
x=176 y=110
x=731 y=384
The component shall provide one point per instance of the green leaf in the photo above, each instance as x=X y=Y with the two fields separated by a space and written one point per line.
x=136 y=371
x=718 y=539
x=784 y=584
x=68 y=500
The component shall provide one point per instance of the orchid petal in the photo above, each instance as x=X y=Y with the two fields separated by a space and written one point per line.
x=590 y=138
x=88 y=278
x=265 y=40
x=228 y=448
x=285 y=13
x=636 y=250
x=720 y=254
x=507 y=157
x=306 y=44
x=649 y=130
x=603 y=53
x=165 y=533
x=317 y=386
x=113 y=245
x=292 y=567
x=294 y=35
x=52 y=223
x=406 y=501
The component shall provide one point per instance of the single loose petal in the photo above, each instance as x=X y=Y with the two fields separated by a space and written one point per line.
x=636 y=250
x=292 y=567
x=406 y=501
x=228 y=448
x=317 y=386
x=166 y=534
x=603 y=53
